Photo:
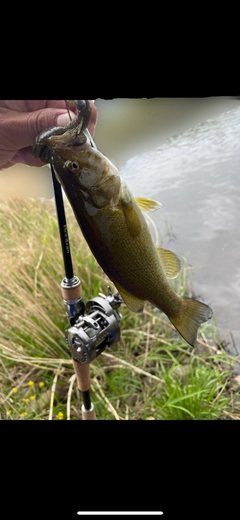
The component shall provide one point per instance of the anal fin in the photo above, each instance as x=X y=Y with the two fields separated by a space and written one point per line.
x=133 y=303
x=170 y=262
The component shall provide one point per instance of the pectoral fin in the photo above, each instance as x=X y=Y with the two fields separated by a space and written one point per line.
x=170 y=262
x=131 y=217
x=133 y=303
x=147 y=204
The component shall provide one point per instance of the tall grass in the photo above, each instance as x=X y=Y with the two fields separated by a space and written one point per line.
x=150 y=373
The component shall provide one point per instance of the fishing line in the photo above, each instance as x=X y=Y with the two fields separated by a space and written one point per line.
x=68 y=109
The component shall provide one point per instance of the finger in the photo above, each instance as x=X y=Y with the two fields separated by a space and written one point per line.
x=6 y=165
x=35 y=123
x=93 y=121
x=24 y=156
x=29 y=125
x=20 y=129
x=32 y=105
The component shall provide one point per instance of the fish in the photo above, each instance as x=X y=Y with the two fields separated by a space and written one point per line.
x=112 y=222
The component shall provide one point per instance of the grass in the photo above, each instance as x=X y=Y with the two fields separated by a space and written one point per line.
x=150 y=374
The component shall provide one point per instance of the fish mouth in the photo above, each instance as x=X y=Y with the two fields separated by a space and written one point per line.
x=73 y=147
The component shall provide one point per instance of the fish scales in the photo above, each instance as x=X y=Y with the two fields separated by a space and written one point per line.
x=115 y=228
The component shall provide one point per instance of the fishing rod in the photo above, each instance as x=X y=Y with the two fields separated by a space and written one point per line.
x=92 y=327
x=72 y=298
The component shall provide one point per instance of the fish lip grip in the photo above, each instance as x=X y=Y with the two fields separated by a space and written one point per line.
x=92 y=333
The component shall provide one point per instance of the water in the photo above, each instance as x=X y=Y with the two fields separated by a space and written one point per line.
x=195 y=175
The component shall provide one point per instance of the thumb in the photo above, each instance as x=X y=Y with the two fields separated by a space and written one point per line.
x=25 y=126
x=47 y=118
x=20 y=129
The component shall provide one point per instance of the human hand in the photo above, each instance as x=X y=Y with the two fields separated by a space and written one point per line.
x=22 y=121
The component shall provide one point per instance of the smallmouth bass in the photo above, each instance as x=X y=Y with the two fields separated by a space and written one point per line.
x=114 y=227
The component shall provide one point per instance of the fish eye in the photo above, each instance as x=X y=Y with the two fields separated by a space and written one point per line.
x=75 y=166
x=72 y=166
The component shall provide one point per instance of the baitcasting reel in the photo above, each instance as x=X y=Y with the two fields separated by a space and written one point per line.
x=89 y=335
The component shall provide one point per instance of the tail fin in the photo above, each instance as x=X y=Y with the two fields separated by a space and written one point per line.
x=193 y=314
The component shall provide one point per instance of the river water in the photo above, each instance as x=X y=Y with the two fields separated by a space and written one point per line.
x=196 y=177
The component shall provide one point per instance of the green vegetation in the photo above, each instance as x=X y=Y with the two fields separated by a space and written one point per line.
x=150 y=374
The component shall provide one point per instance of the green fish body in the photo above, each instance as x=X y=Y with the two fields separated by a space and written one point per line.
x=119 y=238
x=117 y=233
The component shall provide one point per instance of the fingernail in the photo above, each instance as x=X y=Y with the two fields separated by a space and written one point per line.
x=63 y=119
